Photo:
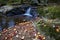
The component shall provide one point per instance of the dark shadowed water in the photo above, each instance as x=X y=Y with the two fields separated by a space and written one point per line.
x=17 y=15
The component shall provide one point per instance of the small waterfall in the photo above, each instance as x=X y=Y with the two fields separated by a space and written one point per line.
x=0 y=28
x=11 y=23
x=28 y=12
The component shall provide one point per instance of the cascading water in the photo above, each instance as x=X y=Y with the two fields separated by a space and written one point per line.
x=31 y=13
x=3 y=23
x=0 y=28
x=28 y=15
x=11 y=23
x=28 y=12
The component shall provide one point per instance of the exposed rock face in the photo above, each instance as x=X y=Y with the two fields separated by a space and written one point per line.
x=3 y=9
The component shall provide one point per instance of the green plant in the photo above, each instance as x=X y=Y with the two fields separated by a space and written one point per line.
x=54 y=11
x=49 y=30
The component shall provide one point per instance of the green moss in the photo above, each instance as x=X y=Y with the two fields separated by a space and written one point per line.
x=52 y=11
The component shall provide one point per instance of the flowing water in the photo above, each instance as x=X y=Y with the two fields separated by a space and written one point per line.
x=28 y=12
x=11 y=22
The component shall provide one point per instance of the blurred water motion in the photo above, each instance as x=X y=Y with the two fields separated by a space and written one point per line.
x=0 y=28
x=18 y=14
x=28 y=12
x=11 y=23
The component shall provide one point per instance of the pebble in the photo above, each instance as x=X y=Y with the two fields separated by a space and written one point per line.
x=17 y=36
x=0 y=34
x=22 y=37
x=14 y=29
x=5 y=37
